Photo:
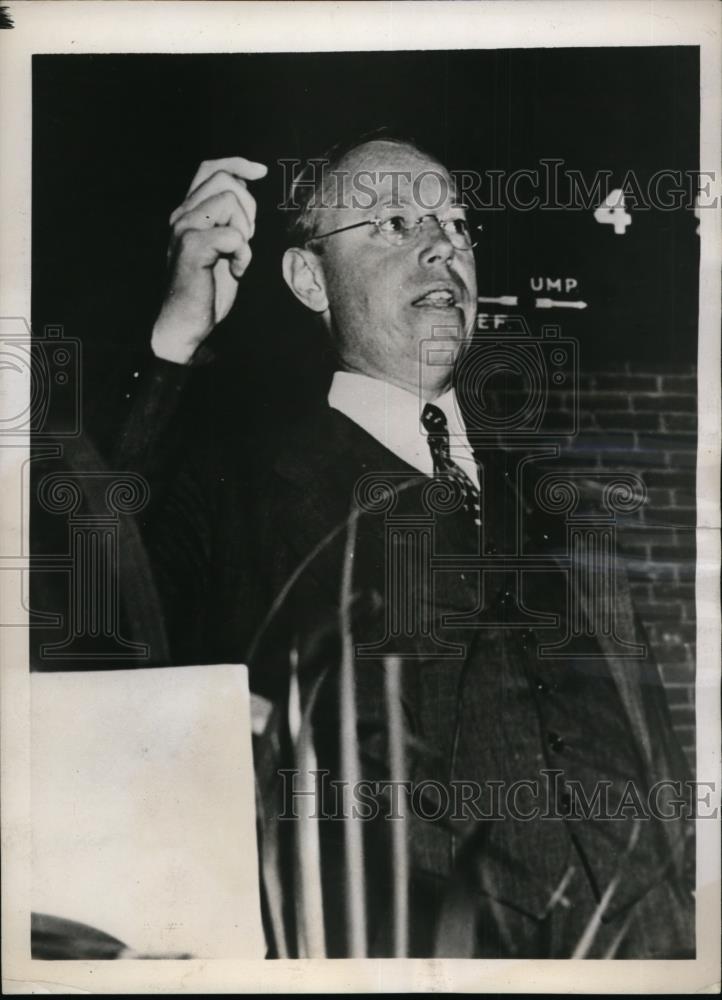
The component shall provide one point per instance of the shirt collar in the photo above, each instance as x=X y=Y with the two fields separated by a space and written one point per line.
x=392 y=416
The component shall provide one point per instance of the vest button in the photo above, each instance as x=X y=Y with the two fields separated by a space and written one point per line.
x=541 y=687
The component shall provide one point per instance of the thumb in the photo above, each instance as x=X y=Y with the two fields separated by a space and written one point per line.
x=254 y=171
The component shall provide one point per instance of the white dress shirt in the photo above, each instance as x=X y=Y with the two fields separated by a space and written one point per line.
x=393 y=416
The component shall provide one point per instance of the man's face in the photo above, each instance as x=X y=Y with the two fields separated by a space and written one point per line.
x=384 y=300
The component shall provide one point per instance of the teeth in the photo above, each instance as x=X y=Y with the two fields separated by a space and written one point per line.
x=440 y=298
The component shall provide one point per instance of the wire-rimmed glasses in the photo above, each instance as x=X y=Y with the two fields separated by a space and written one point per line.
x=399 y=230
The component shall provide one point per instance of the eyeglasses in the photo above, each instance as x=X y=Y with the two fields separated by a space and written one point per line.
x=401 y=231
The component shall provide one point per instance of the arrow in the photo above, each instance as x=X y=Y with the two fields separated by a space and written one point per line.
x=558 y=304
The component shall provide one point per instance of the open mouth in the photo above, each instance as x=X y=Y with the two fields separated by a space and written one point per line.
x=440 y=298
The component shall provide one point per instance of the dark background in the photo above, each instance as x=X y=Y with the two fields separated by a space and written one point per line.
x=118 y=138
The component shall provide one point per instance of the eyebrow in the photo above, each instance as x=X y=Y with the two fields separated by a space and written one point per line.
x=405 y=203
x=396 y=203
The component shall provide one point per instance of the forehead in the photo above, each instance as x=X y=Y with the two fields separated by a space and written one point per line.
x=394 y=169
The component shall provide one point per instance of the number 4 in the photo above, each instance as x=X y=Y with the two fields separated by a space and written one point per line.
x=611 y=212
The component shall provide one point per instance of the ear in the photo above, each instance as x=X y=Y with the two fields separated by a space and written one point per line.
x=303 y=273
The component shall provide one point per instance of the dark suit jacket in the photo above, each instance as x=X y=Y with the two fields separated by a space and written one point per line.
x=248 y=546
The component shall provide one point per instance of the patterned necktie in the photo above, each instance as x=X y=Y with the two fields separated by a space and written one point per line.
x=434 y=421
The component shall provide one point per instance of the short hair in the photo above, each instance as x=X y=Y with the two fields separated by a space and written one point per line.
x=302 y=202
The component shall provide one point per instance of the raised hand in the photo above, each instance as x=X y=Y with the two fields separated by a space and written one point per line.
x=208 y=253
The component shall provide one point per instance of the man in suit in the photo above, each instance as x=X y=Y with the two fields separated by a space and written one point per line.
x=360 y=534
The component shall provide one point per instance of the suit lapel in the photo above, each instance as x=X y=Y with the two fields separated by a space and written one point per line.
x=318 y=470
x=331 y=465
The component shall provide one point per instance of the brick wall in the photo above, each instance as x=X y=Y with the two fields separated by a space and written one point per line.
x=645 y=422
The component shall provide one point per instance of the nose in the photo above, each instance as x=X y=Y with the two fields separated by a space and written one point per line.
x=436 y=247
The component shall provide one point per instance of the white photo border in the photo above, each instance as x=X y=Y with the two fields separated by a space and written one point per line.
x=127 y=26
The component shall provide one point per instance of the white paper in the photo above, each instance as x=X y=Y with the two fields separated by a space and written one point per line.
x=143 y=810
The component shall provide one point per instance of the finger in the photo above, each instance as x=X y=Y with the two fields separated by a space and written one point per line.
x=219 y=210
x=200 y=248
x=238 y=166
x=240 y=260
x=217 y=184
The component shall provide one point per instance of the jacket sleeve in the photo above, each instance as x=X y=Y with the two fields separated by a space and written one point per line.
x=151 y=394
x=152 y=439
